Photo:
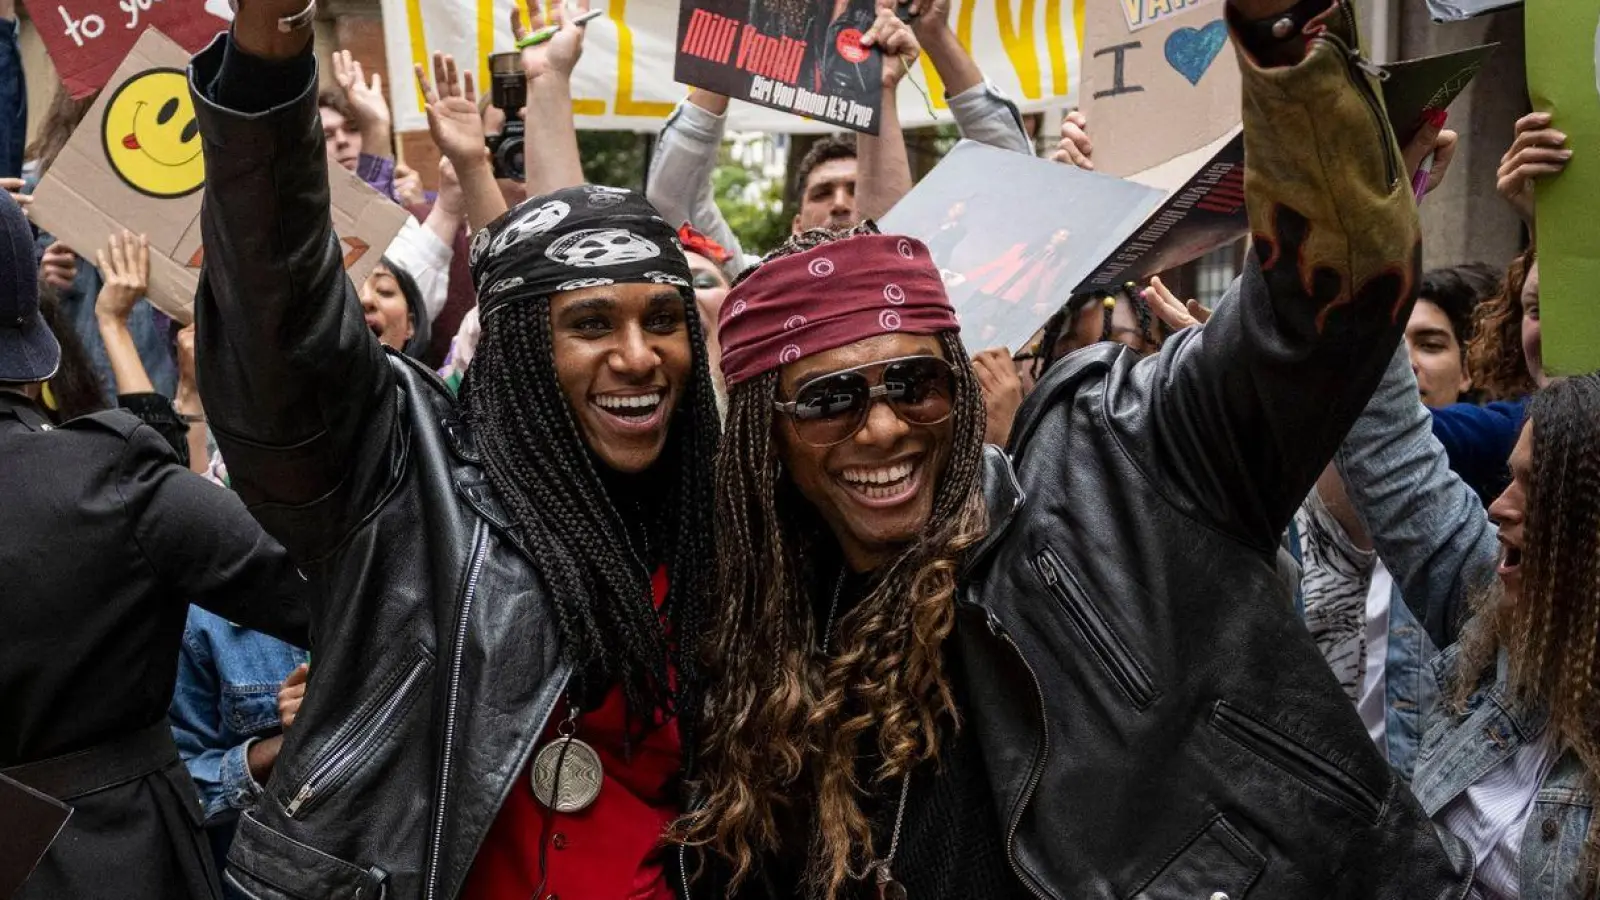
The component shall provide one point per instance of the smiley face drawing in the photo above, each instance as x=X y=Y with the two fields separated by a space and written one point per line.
x=151 y=137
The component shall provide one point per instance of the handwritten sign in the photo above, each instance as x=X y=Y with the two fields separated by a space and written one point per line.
x=1026 y=48
x=87 y=38
x=1159 y=90
x=146 y=173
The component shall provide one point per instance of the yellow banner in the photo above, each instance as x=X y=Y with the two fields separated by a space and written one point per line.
x=1027 y=48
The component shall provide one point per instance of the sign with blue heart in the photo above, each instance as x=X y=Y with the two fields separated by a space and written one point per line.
x=1158 y=85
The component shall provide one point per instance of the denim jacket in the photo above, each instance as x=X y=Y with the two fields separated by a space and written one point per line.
x=1430 y=528
x=226 y=700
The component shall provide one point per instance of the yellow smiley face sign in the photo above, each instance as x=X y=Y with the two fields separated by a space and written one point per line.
x=151 y=136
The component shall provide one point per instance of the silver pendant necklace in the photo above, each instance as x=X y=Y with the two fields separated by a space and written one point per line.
x=567 y=773
x=888 y=887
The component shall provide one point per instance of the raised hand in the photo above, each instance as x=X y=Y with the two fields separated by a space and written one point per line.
x=1002 y=392
x=897 y=42
x=13 y=186
x=366 y=101
x=1538 y=150
x=125 y=266
x=1075 y=148
x=561 y=52
x=927 y=16
x=451 y=102
x=1432 y=138
x=1175 y=313
x=408 y=186
x=450 y=199
x=59 y=266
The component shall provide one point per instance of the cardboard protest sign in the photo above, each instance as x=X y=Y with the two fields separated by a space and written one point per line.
x=1012 y=234
x=1158 y=85
x=1564 y=80
x=800 y=56
x=1205 y=210
x=1456 y=10
x=87 y=38
x=135 y=163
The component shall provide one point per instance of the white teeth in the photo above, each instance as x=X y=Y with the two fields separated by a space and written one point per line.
x=886 y=475
x=643 y=401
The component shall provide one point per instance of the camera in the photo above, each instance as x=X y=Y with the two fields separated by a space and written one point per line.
x=508 y=90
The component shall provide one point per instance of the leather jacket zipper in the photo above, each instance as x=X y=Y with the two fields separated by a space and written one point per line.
x=1097 y=633
x=1036 y=772
x=1303 y=765
x=480 y=546
x=368 y=725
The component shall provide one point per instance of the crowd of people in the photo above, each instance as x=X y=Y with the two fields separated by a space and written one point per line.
x=578 y=553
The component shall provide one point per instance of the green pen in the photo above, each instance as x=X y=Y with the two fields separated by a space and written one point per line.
x=549 y=31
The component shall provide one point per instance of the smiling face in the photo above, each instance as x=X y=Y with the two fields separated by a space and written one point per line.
x=151 y=137
x=623 y=359
x=385 y=308
x=875 y=489
x=1510 y=512
x=1437 y=357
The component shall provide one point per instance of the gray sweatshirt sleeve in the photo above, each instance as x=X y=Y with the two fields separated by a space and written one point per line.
x=987 y=116
x=680 y=176
x=1430 y=529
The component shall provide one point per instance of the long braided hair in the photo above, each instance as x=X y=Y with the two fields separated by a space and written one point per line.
x=1551 y=634
x=784 y=726
x=1065 y=320
x=595 y=547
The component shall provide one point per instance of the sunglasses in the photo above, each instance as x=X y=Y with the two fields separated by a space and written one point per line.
x=830 y=409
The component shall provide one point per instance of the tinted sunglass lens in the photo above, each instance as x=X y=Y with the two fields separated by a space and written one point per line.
x=922 y=390
x=829 y=411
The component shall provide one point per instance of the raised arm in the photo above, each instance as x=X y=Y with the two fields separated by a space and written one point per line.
x=884 y=174
x=1244 y=414
x=982 y=113
x=1429 y=527
x=680 y=182
x=552 y=156
x=296 y=388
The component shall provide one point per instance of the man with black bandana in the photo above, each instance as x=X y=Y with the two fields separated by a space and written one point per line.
x=511 y=585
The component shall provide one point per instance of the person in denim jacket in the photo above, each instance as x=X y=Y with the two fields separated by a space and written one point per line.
x=1491 y=767
x=233 y=700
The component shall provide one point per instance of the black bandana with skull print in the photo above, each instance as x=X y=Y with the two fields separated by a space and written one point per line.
x=575 y=238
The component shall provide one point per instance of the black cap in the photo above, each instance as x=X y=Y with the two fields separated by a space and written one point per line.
x=28 y=351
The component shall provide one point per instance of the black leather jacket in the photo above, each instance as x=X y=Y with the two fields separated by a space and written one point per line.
x=1157 y=722
x=437 y=660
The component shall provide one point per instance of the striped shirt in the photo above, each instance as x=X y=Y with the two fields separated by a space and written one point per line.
x=1493 y=814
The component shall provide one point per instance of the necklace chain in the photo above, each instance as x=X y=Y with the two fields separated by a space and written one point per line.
x=880 y=866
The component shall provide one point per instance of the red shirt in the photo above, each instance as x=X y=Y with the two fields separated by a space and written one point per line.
x=610 y=851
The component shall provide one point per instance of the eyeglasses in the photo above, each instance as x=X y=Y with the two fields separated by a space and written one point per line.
x=830 y=409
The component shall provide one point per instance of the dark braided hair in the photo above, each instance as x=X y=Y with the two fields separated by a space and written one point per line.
x=1065 y=320
x=596 y=558
x=783 y=726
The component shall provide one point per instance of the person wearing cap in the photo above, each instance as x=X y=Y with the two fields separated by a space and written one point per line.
x=515 y=582
x=108 y=540
x=1071 y=669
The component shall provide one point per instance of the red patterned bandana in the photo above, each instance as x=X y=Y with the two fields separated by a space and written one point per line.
x=827 y=297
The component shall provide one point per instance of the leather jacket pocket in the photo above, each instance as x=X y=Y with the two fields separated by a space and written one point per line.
x=1096 y=633
x=361 y=733
x=266 y=865
x=1299 y=762
x=1217 y=863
